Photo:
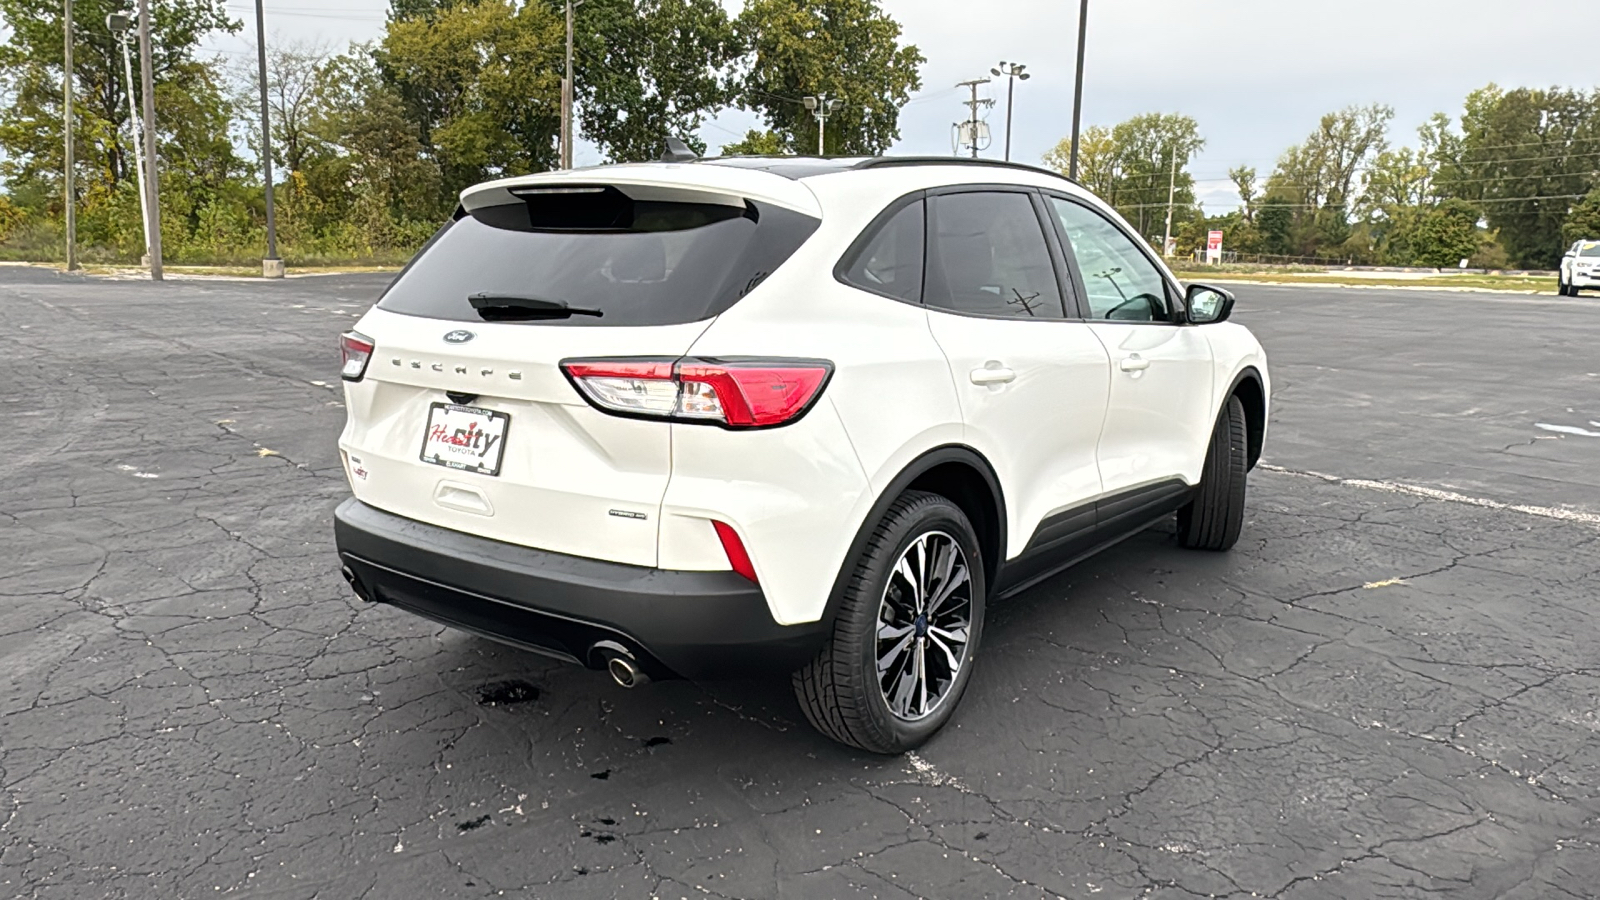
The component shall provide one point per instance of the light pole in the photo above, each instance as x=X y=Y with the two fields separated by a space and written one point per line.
x=66 y=128
x=119 y=24
x=272 y=266
x=1077 y=90
x=152 y=180
x=821 y=108
x=1013 y=72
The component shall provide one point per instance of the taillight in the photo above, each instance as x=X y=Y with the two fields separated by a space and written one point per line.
x=357 y=351
x=756 y=393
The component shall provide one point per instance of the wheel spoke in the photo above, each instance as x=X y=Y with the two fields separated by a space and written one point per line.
x=947 y=588
x=949 y=654
x=905 y=687
x=888 y=659
x=888 y=632
x=904 y=571
x=922 y=676
x=956 y=635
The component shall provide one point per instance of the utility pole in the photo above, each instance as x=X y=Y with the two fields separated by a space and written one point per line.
x=152 y=183
x=1077 y=90
x=821 y=108
x=272 y=266
x=1013 y=72
x=66 y=121
x=566 y=94
x=119 y=24
x=972 y=106
x=1172 y=187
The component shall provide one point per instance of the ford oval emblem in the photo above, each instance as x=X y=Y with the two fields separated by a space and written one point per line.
x=459 y=336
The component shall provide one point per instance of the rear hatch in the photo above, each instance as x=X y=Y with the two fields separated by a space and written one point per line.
x=463 y=417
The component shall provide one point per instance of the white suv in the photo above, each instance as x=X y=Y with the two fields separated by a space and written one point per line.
x=1580 y=268
x=803 y=415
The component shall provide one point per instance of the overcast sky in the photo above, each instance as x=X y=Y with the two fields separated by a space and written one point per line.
x=1256 y=74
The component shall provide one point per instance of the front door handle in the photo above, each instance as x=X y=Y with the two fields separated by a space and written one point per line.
x=992 y=373
x=1134 y=363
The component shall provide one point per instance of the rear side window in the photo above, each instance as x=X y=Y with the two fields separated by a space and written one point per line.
x=890 y=262
x=636 y=262
x=987 y=256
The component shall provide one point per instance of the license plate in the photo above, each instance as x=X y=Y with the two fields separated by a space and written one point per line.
x=465 y=437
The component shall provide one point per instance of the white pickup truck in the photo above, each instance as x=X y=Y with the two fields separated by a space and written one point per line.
x=1580 y=268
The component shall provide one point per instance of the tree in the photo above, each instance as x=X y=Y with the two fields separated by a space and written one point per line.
x=481 y=81
x=757 y=143
x=1526 y=156
x=32 y=58
x=1584 y=222
x=1097 y=161
x=1317 y=178
x=1446 y=234
x=293 y=70
x=1130 y=166
x=847 y=49
x=1275 y=221
x=650 y=69
x=1244 y=181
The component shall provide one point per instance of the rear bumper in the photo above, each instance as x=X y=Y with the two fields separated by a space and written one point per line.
x=688 y=624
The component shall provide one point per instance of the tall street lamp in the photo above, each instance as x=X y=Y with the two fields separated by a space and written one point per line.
x=120 y=25
x=272 y=266
x=1013 y=73
x=821 y=108
x=1077 y=89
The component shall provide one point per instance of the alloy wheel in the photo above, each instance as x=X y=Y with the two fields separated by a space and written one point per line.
x=924 y=624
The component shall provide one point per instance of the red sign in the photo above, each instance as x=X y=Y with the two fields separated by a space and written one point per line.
x=1213 y=241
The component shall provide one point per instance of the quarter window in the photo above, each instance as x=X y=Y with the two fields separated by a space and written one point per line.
x=890 y=263
x=1119 y=279
x=987 y=255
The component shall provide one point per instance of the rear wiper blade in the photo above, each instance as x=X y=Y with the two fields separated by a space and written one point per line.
x=513 y=306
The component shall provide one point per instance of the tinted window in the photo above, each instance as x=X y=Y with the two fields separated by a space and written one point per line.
x=1120 y=280
x=987 y=254
x=890 y=262
x=638 y=262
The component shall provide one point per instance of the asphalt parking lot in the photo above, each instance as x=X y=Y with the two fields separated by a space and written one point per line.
x=1388 y=689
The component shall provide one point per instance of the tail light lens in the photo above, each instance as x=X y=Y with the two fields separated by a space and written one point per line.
x=757 y=393
x=357 y=351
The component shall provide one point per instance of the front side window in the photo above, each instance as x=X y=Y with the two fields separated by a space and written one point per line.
x=1120 y=281
x=890 y=262
x=987 y=256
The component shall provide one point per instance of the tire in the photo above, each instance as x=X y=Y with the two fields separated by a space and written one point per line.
x=1214 y=518
x=843 y=692
x=1561 y=286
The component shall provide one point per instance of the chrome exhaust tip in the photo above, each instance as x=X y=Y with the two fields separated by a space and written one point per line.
x=625 y=672
x=355 y=584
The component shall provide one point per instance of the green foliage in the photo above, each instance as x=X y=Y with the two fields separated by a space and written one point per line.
x=11 y=218
x=1584 y=222
x=847 y=49
x=649 y=69
x=1275 y=223
x=31 y=139
x=481 y=82
x=1130 y=166
x=1526 y=156
x=757 y=143
x=1446 y=234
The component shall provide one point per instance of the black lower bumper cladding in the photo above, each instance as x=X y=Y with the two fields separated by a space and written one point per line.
x=688 y=624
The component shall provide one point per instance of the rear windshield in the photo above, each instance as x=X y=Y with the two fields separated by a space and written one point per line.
x=636 y=262
x=1591 y=248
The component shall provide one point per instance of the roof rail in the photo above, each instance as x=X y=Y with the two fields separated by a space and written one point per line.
x=878 y=162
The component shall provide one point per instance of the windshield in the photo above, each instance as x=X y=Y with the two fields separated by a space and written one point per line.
x=1589 y=249
x=633 y=262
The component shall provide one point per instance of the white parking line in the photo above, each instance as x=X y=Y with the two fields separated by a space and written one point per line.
x=1394 y=487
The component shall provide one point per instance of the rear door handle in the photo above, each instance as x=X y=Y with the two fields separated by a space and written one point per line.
x=1134 y=363
x=992 y=373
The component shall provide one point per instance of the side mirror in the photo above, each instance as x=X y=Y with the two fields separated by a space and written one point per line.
x=1208 y=304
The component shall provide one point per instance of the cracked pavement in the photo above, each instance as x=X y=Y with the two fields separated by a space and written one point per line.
x=1389 y=689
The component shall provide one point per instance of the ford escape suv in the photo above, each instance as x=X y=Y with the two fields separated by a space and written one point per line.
x=798 y=415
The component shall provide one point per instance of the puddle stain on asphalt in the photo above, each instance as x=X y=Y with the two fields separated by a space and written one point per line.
x=507 y=693
x=472 y=824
